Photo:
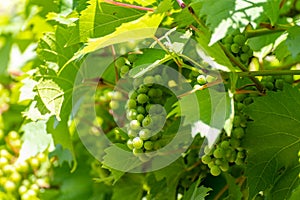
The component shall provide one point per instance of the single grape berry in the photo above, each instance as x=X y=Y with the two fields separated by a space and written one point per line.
x=142 y=98
x=131 y=57
x=201 y=79
x=149 y=80
x=135 y=125
x=131 y=103
x=130 y=144
x=145 y=134
x=148 y=145
x=143 y=89
x=239 y=39
x=120 y=62
x=215 y=171
x=137 y=143
x=124 y=69
x=238 y=132
x=206 y=159
x=235 y=48
x=279 y=84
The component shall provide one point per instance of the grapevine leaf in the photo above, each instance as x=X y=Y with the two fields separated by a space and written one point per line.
x=144 y=27
x=140 y=2
x=293 y=39
x=172 y=174
x=62 y=155
x=33 y=132
x=101 y=19
x=130 y=186
x=295 y=194
x=225 y=16
x=26 y=91
x=214 y=55
x=234 y=190
x=214 y=110
x=37 y=110
x=164 y=6
x=269 y=144
x=4 y=54
x=197 y=193
x=272 y=10
x=62 y=19
x=51 y=95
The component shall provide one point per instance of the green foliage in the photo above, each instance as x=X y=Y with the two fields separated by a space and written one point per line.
x=86 y=99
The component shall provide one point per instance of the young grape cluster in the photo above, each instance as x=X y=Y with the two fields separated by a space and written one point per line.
x=22 y=180
x=124 y=64
x=146 y=114
x=236 y=44
x=275 y=83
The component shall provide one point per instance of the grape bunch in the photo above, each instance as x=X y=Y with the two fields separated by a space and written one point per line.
x=124 y=64
x=145 y=114
x=228 y=150
x=22 y=180
x=275 y=83
x=236 y=44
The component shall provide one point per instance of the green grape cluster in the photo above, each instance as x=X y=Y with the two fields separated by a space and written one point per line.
x=275 y=83
x=236 y=44
x=145 y=114
x=23 y=179
x=228 y=150
x=124 y=64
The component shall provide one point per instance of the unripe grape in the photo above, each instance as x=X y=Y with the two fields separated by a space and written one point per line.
x=130 y=144
x=279 y=84
x=13 y=135
x=235 y=143
x=137 y=143
x=288 y=78
x=152 y=93
x=124 y=69
x=15 y=177
x=218 y=153
x=239 y=39
x=131 y=57
x=211 y=164
x=201 y=79
x=238 y=132
x=132 y=133
x=143 y=89
x=135 y=125
x=22 y=190
x=245 y=48
x=224 y=167
x=235 y=48
x=8 y=169
x=120 y=62
x=3 y=161
x=225 y=144
x=141 y=110
x=147 y=121
x=228 y=39
x=131 y=103
x=158 y=79
x=206 y=159
x=137 y=82
x=269 y=85
x=149 y=80
x=10 y=186
x=140 y=117
x=248 y=101
x=236 y=121
x=148 y=145
x=142 y=98
x=244 y=57
x=132 y=94
x=114 y=105
x=239 y=161
x=215 y=171
x=145 y=134
x=131 y=114
x=34 y=163
x=239 y=97
x=136 y=152
x=116 y=95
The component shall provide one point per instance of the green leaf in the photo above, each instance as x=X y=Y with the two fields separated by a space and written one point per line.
x=272 y=10
x=214 y=54
x=214 y=108
x=26 y=91
x=196 y=193
x=164 y=6
x=273 y=141
x=33 y=132
x=172 y=174
x=140 y=2
x=5 y=53
x=129 y=187
x=144 y=27
x=100 y=19
x=51 y=95
x=295 y=194
x=293 y=39
x=234 y=191
x=62 y=19
x=225 y=16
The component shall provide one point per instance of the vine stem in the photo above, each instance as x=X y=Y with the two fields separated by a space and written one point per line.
x=126 y=5
x=268 y=73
